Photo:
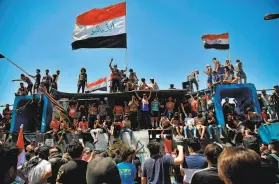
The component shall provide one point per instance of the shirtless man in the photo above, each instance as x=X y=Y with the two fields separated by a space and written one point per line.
x=199 y=124
x=133 y=105
x=170 y=107
x=27 y=81
x=165 y=122
x=31 y=146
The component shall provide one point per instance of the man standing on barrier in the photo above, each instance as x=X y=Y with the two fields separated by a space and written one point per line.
x=145 y=117
x=82 y=80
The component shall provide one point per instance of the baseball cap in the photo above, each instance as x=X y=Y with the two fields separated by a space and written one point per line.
x=207 y=65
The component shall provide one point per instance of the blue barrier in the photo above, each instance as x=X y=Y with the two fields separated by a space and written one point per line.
x=269 y=131
x=46 y=113
x=237 y=91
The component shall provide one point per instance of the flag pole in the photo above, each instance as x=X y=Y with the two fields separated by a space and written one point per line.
x=126 y=50
x=229 y=55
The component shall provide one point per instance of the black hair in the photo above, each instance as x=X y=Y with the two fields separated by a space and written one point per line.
x=275 y=144
x=8 y=159
x=126 y=153
x=43 y=152
x=194 y=144
x=214 y=58
x=38 y=70
x=264 y=143
x=168 y=137
x=142 y=79
x=22 y=75
x=200 y=115
x=75 y=149
x=171 y=85
x=154 y=148
x=212 y=152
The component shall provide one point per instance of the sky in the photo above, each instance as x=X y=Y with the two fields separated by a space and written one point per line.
x=164 y=40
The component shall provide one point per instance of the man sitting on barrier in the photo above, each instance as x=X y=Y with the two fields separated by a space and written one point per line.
x=126 y=128
x=165 y=122
x=83 y=125
x=22 y=91
x=97 y=128
x=199 y=124
x=235 y=128
x=176 y=122
x=118 y=112
x=252 y=121
x=211 y=121
x=189 y=125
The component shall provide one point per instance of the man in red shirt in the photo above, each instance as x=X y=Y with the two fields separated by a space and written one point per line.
x=195 y=106
x=118 y=112
x=83 y=125
x=167 y=143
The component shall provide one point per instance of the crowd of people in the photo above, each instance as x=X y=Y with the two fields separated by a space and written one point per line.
x=216 y=164
x=193 y=119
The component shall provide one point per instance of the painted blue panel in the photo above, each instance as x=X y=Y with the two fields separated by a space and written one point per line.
x=269 y=132
x=45 y=117
x=237 y=91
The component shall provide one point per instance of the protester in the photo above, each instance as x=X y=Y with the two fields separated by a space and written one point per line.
x=153 y=85
x=37 y=169
x=145 y=117
x=194 y=79
x=127 y=170
x=27 y=81
x=209 y=76
x=126 y=128
x=22 y=91
x=47 y=81
x=133 y=105
x=156 y=168
x=115 y=78
x=74 y=171
x=274 y=156
x=238 y=165
x=82 y=80
x=8 y=159
x=155 y=109
x=209 y=175
x=37 y=78
x=240 y=73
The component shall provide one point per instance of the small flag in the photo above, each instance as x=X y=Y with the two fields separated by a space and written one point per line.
x=101 y=28
x=213 y=41
x=100 y=84
x=2 y=56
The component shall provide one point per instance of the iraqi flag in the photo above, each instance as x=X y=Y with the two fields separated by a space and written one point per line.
x=21 y=158
x=214 y=41
x=100 y=84
x=101 y=28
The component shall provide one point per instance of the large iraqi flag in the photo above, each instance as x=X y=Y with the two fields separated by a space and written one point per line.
x=101 y=28
x=216 y=41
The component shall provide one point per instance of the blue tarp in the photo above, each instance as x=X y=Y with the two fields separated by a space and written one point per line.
x=269 y=132
x=238 y=92
x=46 y=112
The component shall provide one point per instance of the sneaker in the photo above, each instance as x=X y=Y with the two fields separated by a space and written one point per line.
x=222 y=137
x=202 y=138
x=95 y=141
x=210 y=137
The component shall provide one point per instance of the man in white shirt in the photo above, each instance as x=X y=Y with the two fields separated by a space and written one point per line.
x=37 y=169
x=189 y=125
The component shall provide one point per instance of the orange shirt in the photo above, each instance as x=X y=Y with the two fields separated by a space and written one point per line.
x=118 y=110
x=168 y=145
x=83 y=125
x=119 y=124
x=194 y=105
x=55 y=125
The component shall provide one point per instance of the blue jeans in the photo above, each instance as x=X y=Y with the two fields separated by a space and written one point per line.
x=193 y=128
x=209 y=129
x=125 y=129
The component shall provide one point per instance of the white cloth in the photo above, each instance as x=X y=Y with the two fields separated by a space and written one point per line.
x=190 y=122
x=36 y=173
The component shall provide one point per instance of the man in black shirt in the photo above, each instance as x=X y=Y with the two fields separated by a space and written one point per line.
x=102 y=170
x=37 y=78
x=82 y=80
x=74 y=171
x=209 y=175
x=274 y=156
